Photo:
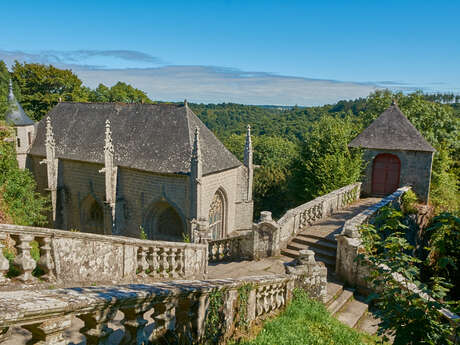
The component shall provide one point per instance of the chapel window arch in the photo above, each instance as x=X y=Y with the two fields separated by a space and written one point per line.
x=217 y=215
x=163 y=222
x=92 y=216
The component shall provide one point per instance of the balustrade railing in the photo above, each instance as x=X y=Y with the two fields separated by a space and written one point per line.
x=177 y=310
x=72 y=258
x=231 y=248
x=297 y=219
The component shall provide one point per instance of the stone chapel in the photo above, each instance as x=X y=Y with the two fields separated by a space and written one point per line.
x=114 y=168
x=397 y=155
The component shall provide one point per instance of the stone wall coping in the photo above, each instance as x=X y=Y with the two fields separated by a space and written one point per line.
x=24 y=307
x=351 y=226
x=299 y=209
x=46 y=232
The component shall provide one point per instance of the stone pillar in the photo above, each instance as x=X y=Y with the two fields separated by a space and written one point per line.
x=248 y=163
x=196 y=174
x=110 y=171
x=51 y=165
x=266 y=236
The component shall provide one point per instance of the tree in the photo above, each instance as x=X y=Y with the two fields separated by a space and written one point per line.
x=327 y=162
x=120 y=92
x=275 y=158
x=41 y=87
x=4 y=82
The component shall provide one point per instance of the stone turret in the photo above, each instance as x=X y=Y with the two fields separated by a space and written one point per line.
x=23 y=126
x=248 y=162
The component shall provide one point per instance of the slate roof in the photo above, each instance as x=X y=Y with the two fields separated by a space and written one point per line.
x=15 y=115
x=149 y=137
x=392 y=131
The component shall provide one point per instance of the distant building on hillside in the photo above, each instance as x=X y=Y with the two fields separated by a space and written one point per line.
x=113 y=168
x=24 y=127
x=397 y=155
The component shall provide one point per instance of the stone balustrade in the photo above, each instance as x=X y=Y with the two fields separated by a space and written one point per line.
x=231 y=248
x=181 y=311
x=296 y=219
x=72 y=258
x=349 y=242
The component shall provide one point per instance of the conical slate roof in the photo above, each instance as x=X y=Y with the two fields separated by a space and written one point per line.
x=15 y=115
x=150 y=137
x=392 y=131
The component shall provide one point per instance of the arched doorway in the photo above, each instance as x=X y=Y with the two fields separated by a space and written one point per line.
x=217 y=216
x=385 y=174
x=92 y=216
x=163 y=222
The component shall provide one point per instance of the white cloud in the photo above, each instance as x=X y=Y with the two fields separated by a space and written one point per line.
x=206 y=84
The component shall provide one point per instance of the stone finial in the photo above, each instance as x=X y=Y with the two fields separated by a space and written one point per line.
x=248 y=153
x=196 y=151
x=108 y=137
x=51 y=164
x=10 y=94
x=265 y=216
x=49 y=141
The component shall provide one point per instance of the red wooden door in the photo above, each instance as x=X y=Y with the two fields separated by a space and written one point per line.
x=385 y=174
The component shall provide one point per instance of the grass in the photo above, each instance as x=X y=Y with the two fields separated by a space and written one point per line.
x=306 y=322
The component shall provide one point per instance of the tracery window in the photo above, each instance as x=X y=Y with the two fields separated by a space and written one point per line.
x=216 y=216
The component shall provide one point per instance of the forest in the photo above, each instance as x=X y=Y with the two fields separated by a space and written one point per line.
x=301 y=152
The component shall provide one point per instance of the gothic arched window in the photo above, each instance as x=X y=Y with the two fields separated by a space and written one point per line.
x=93 y=216
x=217 y=216
x=163 y=222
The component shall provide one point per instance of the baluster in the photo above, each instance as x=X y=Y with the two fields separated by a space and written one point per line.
x=259 y=302
x=227 y=249
x=49 y=332
x=23 y=259
x=95 y=329
x=164 y=315
x=181 y=268
x=46 y=262
x=154 y=264
x=134 y=323
x=4 y=263
x=164 y=263
x=142 y=264
x=172 y=262
x=4 y=334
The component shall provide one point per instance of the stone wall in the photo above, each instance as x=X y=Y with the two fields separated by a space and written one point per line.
x=72 y=258
x=137 y=193
x=415 y=170
x=296 y=219
x=349 y=242
x=178 y=312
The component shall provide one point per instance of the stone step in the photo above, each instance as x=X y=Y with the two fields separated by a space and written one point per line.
x=352 y=312
x=340 y=301
x=316 y=237
x=369 y=324
x=290 y=253
x=326 y=245
x=319 y=252
x=333 y=292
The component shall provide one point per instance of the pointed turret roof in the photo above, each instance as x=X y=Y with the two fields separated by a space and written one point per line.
x=392 y=131
x=15 y=115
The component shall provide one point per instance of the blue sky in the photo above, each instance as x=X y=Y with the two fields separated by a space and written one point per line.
x=259 y=52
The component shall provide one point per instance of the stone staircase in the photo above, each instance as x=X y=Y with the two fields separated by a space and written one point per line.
x=325 y=248
x=350 y=309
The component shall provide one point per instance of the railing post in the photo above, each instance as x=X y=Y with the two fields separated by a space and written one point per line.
x=49 y=332
x=134 y=323
x=46 y=261
x=23 y=259
x=4 y=263
x=95 y=329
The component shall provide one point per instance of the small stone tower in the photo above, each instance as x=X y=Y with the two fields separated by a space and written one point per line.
x=397 y=155
x=24 y=128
